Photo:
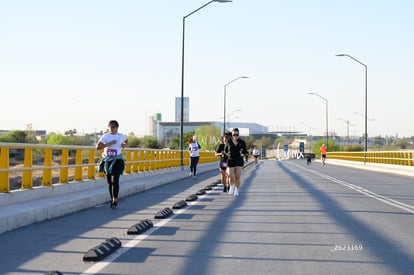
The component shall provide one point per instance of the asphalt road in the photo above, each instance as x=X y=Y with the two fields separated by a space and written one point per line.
x=290 y=218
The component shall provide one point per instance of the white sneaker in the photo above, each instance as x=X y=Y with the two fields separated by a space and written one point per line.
x=236 y=192
x=191 y=173
x=231 y=190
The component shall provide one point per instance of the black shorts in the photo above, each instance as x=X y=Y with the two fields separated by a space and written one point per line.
x=236 y=163
x=222 y=165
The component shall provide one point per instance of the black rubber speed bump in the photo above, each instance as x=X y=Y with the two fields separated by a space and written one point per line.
x=140 y=227
x=208 y=187
x=101 y=251
x=201 y=192
x=179 y=204
x=162 y=214
x=192 y=197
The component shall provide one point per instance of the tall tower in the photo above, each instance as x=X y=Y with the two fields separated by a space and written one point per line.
x=186 y=117
x=157 y=120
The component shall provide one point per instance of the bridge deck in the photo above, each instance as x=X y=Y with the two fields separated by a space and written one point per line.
x=290 y=218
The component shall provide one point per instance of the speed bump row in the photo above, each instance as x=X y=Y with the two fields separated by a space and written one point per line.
x=140 y=227
x=179 y=204
x=110 y=245
x=101 y=251
x=162 y=214
x=192 y=197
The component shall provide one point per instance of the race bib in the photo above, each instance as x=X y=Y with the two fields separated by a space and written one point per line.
x=111 y=152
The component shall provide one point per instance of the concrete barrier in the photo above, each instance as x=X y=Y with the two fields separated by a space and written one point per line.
x=377 y=167
x=24 y=207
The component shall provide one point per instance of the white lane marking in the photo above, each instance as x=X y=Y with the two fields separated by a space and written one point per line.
x=97 y=267
x=366 y=192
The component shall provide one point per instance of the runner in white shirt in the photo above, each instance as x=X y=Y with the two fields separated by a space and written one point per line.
x=112 y=143
x=256 y=154
x=194 y=149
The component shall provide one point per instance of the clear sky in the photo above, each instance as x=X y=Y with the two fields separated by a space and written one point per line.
x=75 y=64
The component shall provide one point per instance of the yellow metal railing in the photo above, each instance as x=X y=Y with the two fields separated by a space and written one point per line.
x=386 y=157
x=77 y=163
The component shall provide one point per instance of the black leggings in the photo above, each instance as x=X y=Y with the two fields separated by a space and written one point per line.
x=193 y=165
x=113 y=185
x=113 y=178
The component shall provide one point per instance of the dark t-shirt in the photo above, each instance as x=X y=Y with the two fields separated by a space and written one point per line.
x=220 y=149
x=236 y=151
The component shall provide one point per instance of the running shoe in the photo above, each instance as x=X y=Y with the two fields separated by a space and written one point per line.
x=231 y=190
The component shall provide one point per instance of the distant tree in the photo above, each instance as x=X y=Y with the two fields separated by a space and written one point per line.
x=19 y=136
x=16 y=136
x=353 y=148
x=208 y=137
x=151 y=143
x=175 y=141
x=57 y=139
x=79 y=140
x=91 y=139
x=30 y=137
x=264 y=141
x=281 y=140
x=250 y=143
x=332 y=146
x=71 y=132
x=187 y=137
x=402 y=143
x=134 y=141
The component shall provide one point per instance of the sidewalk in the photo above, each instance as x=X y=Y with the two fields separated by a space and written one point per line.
x=377 y=167
x=24 y=207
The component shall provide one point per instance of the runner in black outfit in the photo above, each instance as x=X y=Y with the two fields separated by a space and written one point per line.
x=234 y=150
x=223 y=161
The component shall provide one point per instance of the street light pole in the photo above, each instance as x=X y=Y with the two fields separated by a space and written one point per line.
x=366 y=103
x=326 y=115
x=182 y=76
x=347 y=128
x=224 y=102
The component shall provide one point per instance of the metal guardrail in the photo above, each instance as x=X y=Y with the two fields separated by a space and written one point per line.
x=404 y=158
x=77 y=163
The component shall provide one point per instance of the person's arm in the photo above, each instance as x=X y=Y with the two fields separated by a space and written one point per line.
x=100 y=145
x=219 y=150
x=245 y=149
x=125 y=143
x=227 y=150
